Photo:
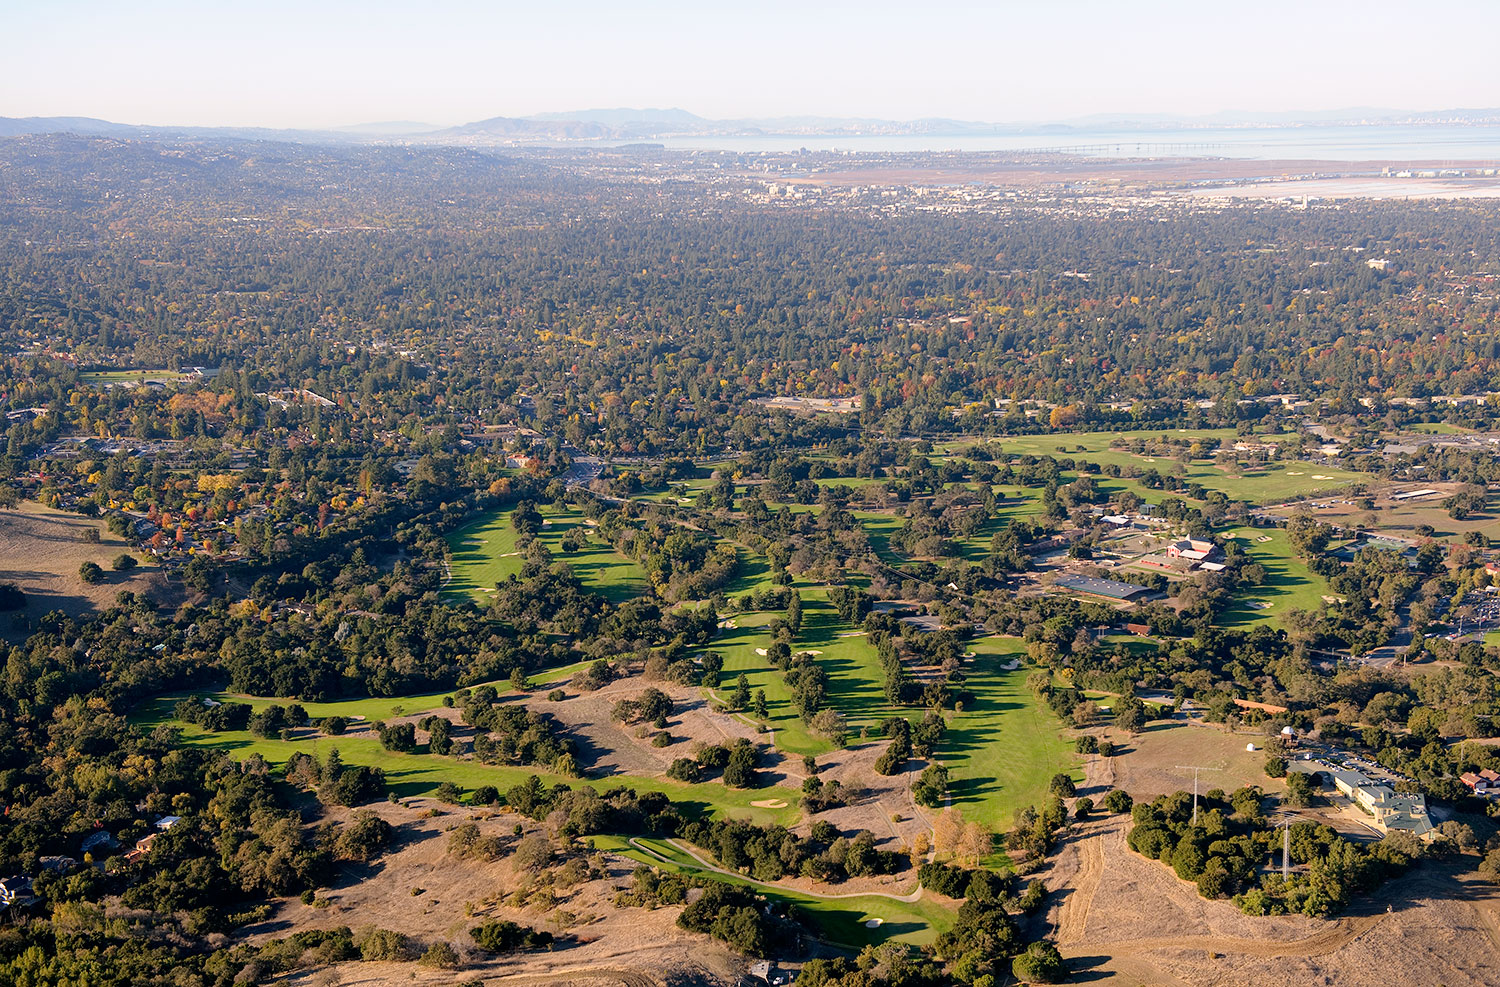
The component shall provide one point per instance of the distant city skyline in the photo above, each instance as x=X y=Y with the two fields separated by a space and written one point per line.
x=340 y=63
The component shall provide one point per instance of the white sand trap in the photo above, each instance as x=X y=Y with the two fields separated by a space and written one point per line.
x=813 y=654
x=761 y=652
x=1232 y=534
x=1263 y=539
x=1259 y=605
x=769 y=804
x=969 y=654
x=875 y=923
x=1010 y=666
x=546 y=523
x=684 y=500
x=507 y=555
x=728 y=624
x=1294 y=473
x=1320 y=476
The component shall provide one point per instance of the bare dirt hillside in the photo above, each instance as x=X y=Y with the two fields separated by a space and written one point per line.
x=1129 y=921
x=41 y=550
x=422 y=891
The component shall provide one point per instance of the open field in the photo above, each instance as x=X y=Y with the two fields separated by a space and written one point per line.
x=1289 y=585
x=1147 y=764
x=484 y=553
x=41 y=550
x=1004 y=748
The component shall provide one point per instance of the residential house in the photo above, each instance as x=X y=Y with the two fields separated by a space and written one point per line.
x=1481 y=782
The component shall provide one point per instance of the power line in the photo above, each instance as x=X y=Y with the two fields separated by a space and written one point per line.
x=1195 y=769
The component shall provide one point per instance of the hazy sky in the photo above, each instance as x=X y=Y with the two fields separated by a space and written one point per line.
x=331 y=62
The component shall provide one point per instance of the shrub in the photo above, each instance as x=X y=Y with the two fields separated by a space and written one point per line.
x=11 y=597
x=1040 y=964
x=363 y=837
x=440 y=955
x=684 y=769
x=507 y=937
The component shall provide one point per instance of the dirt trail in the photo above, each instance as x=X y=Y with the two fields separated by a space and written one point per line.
x=559 y=978
x=1343 y=932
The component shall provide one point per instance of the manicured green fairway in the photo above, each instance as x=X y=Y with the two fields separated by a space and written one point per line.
x=840 y=921
x=1276 y=482
x=855 y=681
x=1003 y=750
x=1289 y=584
x=420 y=774
x=484 y=553
x=738 y=645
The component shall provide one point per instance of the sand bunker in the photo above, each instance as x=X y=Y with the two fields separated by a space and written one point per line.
x=728 y=623
x=1294 y=473
x=769 y=804
x=814 y=653
x=1320 y=476
x=761 y=652
x=875 y=923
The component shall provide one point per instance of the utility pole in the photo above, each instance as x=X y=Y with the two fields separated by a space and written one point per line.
x=1286 y=849
x=1194 y=769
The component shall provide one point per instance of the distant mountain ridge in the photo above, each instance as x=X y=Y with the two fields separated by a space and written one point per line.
x=626 y=123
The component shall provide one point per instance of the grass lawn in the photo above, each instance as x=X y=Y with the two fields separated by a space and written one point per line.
x=484 y=553
x=129 y=376
x=839 y=921
x=420 y=774
x=1003 y=750
x=1438 y=428
x=1289 y=583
